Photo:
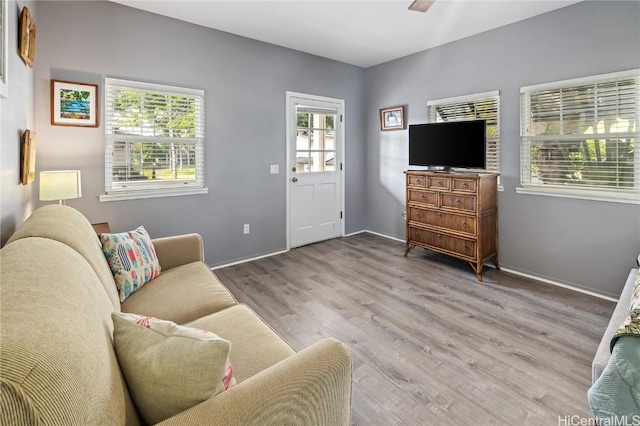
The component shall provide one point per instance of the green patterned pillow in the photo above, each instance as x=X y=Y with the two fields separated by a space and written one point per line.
x=631 y=324
x=132 y=259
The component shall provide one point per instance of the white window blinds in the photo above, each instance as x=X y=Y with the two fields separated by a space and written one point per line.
x=154 y=137
x=480 y=106
x=580 y=135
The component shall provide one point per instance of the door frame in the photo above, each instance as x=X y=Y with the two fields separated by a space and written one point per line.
x=289 y=99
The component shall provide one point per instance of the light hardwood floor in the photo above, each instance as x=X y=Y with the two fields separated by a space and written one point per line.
x=431 y=345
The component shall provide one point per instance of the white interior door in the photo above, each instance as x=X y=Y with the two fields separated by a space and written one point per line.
x=314 y=169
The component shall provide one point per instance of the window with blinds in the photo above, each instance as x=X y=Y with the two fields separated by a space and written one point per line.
x=579 y=135
x=154 y=138
x=480 y=106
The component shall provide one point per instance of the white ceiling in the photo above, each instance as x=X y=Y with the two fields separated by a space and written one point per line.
x=359 y=32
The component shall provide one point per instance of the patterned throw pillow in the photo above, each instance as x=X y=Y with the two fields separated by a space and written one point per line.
x=132 y=259
x=168 y=367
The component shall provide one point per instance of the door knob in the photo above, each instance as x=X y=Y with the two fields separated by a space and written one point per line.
x=294 y=179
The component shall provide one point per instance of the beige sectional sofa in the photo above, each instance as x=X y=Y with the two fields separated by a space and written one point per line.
x=57 y=359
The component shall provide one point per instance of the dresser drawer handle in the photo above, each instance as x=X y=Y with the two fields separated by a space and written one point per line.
x=423 y=197
x=464 y=185
x=416 y=234
x=439 y=214
x=439 y=236
x=418 y=181
x=465 y=247
x=464 y=224
x=418 y=216
x=439 y=183
x=458 y=202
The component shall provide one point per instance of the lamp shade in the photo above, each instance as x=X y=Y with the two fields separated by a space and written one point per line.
x=60 y=185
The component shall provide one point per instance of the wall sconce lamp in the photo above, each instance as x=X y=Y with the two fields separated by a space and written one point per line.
x=60 y=185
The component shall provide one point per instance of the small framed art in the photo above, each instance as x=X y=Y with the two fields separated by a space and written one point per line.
x=74 y=104
x=392 y=118
x=27 y=39
x=28 y=157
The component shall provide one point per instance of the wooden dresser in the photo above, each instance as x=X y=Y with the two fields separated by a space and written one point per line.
x=455 y=214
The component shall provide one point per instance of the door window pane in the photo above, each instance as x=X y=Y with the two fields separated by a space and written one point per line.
x=315 y=141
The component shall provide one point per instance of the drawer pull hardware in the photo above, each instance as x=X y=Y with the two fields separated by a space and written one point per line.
x=466 y=247
x=417 y=215
x=417 y=235
x=464 y=224
x=439 y=214
x=458 y=202
x=464 y=185
x=439 y=183
x=423 y=197
x=439 y=236
x=418 y=181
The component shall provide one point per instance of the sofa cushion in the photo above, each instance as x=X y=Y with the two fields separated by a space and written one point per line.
x=132 y=259
x=169 y=367
x=181 y=294
x=254 y=345
x=57 y=356
x=68 y=226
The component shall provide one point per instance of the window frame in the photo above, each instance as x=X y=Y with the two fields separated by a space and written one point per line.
x=577 y=191
x=150 y=189
x=493 y=96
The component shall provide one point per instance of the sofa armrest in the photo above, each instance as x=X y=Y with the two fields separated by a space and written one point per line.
x=311 y=387
x=179 y=250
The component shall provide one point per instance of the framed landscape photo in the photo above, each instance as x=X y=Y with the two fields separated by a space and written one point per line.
x=392 y=118
x=74 y=104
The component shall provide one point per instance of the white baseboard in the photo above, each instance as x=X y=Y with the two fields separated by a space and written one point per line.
x=556 y=283
x=515 y=272
x=248 y=260
x=376 y=233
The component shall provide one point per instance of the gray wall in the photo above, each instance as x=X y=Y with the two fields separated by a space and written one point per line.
x=245 y=83
x=587 y=244
x=17 y=115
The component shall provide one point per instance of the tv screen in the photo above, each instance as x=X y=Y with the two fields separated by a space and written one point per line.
x=448 y=144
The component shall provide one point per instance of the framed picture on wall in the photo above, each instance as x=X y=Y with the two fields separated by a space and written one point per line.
x=28 y=157
x=392 y=118
x=74 y=104
x=27 y=41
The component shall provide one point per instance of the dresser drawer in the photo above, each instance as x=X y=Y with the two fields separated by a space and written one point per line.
x=460 y=246
x=460 y=202
x=464 y=185
x=437 y=182
x=419 y=181
x=451 y=221
x=428 y=198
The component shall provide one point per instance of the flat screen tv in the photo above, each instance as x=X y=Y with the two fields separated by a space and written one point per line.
x=442 y=146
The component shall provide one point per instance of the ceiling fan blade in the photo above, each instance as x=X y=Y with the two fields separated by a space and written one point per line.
x=421 y=5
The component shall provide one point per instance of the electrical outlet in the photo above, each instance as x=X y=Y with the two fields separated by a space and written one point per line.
x=275 y=169
x=246 y=228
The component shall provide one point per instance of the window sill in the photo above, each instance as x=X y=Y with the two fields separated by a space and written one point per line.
x=137 y=195
x=582 y=195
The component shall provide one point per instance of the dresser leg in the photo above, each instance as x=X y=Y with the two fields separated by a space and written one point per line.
x=408 y=249
x=494 y=259
x=477 y=268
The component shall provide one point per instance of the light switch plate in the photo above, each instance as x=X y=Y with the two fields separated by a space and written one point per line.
x=275 y=169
